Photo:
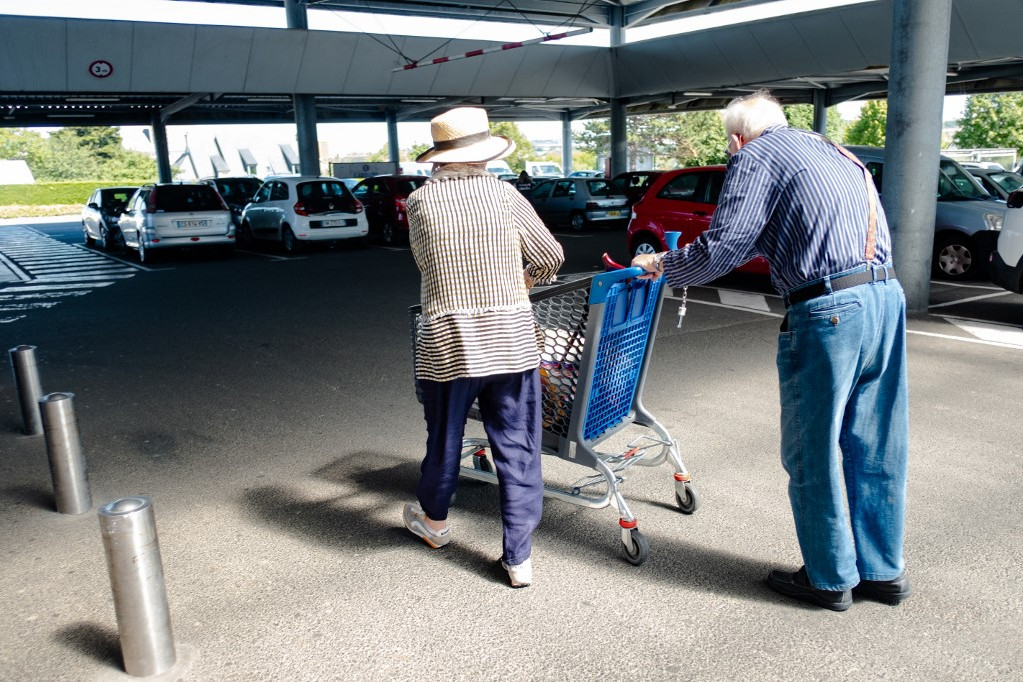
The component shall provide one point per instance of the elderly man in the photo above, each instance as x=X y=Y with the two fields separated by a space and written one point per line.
x=810 y=208
x=470 y=234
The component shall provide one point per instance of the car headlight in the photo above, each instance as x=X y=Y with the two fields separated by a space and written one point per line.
x=993 y=220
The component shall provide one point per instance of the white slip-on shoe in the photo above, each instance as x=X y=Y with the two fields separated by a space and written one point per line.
x=521 y=575
x=415 y=521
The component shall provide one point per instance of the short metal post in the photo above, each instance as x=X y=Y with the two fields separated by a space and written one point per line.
x=26 y=379
x=67 y=465
x=128 y=526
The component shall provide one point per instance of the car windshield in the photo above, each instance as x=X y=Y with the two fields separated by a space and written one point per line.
x=114 y=200
x=601 y=188
x=1008 y=181
x=323 y=189
x=955 y=184
x=406 y=187
x=187 y=198
x=237 y=190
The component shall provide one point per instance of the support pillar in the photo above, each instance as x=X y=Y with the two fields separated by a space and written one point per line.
x=305 y=105
x=163 y=165
x=566 y=142
x=619 y=130
x=916 y=91
x=820 y=112
x=393 y=153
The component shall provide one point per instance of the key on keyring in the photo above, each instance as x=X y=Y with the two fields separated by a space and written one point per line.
x=681 y=314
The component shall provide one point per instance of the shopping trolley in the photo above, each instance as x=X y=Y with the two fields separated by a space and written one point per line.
x=598 y=339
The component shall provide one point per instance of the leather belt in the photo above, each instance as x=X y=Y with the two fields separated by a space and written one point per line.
x=826 y=286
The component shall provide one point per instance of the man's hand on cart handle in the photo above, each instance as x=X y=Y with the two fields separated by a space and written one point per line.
x=651 y=263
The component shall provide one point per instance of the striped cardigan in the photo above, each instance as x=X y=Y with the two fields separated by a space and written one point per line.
x=471 y=234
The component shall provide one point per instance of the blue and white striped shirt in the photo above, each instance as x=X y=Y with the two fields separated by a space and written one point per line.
x=793 y=198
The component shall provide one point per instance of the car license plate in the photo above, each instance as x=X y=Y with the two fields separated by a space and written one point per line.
x=343 y=222
x=613 y=214
x=193 y=223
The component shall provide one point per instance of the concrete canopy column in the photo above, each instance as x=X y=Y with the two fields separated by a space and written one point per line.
x=916 y=90
x=566 y=142
x=163 y=165
x=820 y=112
x=305 y=105
x=619 y=130
x=393 y=153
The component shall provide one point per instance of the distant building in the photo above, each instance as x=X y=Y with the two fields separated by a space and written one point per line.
x=15 y=172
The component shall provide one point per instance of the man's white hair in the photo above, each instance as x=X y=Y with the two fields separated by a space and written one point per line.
x=751 y=114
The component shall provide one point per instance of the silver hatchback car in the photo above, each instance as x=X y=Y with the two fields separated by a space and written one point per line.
x=164 y=216
x=579 y=202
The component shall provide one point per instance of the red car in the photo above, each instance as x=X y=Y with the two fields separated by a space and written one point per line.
x=679 y=201
x=384 y=198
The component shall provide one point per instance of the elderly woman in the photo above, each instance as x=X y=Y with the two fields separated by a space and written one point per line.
x=471 y=234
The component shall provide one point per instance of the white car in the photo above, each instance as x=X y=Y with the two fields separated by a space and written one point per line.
x=167 y=215
x=299 y=209
x=1007 y=260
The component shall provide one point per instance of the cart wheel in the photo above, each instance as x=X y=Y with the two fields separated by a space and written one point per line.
x=482 y=464
x=689 y=500
x=640 y=549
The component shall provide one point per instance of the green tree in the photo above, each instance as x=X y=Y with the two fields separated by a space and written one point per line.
x=992 y=121
x=21 y=144
x=694 y=138
x=868 y=129
x=523 y=147
x=801 y=116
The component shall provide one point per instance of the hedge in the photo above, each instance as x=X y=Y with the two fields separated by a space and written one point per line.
x=51 y=193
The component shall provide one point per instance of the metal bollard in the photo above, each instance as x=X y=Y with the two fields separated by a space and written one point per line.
x=67 y=465
x=128 y=526
x=26 y=379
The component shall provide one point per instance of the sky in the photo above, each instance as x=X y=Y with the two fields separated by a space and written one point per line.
x=366 y=138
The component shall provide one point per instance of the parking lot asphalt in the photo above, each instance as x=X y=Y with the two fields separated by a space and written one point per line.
x=266 y=404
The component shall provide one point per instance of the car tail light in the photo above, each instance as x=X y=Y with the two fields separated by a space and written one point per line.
x=151 y=202
x=592 y=205
x=358 y=207
x=300 y=209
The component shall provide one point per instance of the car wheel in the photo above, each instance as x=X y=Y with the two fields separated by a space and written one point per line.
x=955 y=257
x=89 y=241
x=289 y=241
x=245 y=234
x=578 y=222
x=646 y=245
x=146 y=256
x=390 y=234
x=106 y=241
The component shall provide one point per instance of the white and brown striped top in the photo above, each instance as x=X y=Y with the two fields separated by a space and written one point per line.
x=471 y=234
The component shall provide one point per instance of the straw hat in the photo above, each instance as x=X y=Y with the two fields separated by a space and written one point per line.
x=462 y=135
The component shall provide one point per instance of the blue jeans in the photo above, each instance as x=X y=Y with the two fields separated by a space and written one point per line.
x=510 y=409
x=845 y=419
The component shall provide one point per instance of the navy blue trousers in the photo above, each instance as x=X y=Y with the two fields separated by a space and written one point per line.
x=510 y=408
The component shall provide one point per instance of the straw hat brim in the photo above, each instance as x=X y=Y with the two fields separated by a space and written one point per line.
x=494 y=147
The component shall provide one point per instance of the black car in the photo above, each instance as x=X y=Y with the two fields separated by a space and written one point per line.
x=237 y=192
x=101 y=213
x=634 y=184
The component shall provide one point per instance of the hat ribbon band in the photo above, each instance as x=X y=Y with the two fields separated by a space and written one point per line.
x=461 y=141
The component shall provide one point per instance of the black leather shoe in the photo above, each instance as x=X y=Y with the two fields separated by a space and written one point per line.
x=797 y=586
x=885 y=591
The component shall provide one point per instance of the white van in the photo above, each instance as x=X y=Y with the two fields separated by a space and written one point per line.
x=544 y=169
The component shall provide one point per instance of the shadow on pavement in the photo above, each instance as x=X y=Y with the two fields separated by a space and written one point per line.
x=342 y=521
x=96 y=641
x=32 y=496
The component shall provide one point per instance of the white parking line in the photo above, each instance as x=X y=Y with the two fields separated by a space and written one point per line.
x=1000 y=292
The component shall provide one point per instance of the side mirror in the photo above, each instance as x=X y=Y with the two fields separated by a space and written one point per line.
x=1015 y=199
x=94 y=205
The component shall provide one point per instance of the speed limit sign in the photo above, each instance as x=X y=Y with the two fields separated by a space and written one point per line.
x=101 y=68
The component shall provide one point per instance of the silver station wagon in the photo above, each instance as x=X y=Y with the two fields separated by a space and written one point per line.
x=167 y=215
x=579 y=203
